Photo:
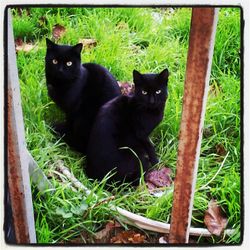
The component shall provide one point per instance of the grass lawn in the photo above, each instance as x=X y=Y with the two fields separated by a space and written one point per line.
x=149 y=40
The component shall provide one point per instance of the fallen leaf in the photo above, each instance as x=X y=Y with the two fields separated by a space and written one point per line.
x=128 y=237
x=126 y=88
x=214 y=89
x=42 y=21
x=150 y=185
x=159 y=178
x=207 y=132
x=214 y=218
x=220 y=149
x=88 y=42
x=23 y=10
x=107 y=231
x=20 y=11
x=122 y=26
x=21 y=46
x=18 y=41
x=58 y=31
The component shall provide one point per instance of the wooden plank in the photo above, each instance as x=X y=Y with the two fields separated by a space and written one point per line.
x=200 y=52
x=18 y=164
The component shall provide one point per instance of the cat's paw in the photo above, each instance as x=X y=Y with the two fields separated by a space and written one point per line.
x=154 y=161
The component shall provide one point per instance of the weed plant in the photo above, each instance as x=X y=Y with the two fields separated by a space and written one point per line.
x=149 y=40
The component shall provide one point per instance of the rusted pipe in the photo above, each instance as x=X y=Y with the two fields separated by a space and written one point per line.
x=199 y=60
x=18 y=163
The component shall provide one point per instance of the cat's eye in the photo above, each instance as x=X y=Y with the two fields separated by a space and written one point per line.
x=54 y=61
x=144 y=92
x=158 y=92
x=69 y=63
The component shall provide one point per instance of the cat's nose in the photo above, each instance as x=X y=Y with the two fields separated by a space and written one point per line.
x=60 y=69
x=151 y=100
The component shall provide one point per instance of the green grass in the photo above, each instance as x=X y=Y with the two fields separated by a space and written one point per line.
x=148 y=40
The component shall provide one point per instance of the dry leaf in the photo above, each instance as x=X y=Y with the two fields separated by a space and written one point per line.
x=21 y=46
x=150 y=185
x=128 y=237
x=159 y=178
x=23 y=10
x=214 y=218
x=58 y=31
x=18 y=41
x=214 y=89
x=26 y=47
x=106 y=232
x=122 y=26
x=88 y=43
x=42 y=21
x=207 y=132
x=220 y=149
x=126 y=88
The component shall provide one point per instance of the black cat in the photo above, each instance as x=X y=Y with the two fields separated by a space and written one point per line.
x=78 y=89
x=122 y=128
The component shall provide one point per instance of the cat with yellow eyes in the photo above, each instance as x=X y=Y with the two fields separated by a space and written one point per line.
x=78 y=89
x=119 y=140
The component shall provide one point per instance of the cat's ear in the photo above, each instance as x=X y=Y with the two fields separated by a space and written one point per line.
x=163 y=76
x=49 y=44
x=137 y=76
x=77 y=48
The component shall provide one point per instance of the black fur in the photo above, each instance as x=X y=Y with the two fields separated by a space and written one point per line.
x=79 y=90
x=126 y=122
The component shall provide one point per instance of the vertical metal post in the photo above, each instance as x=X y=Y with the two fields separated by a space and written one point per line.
x=18 y=162
x=200 y=53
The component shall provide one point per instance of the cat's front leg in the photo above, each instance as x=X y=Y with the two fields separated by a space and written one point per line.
x=147 y=145
x=150 y=151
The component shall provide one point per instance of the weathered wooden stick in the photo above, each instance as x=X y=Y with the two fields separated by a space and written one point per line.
x=60 y=166
x=199 y=60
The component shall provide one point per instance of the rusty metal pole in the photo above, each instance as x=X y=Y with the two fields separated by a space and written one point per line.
x=200 y=53
x=18 y=161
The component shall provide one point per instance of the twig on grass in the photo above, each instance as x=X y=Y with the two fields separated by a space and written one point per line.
x=106 y=200
x=60 y=167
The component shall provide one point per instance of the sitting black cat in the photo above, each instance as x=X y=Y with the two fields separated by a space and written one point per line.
x=122 y=128
x=78 y=89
